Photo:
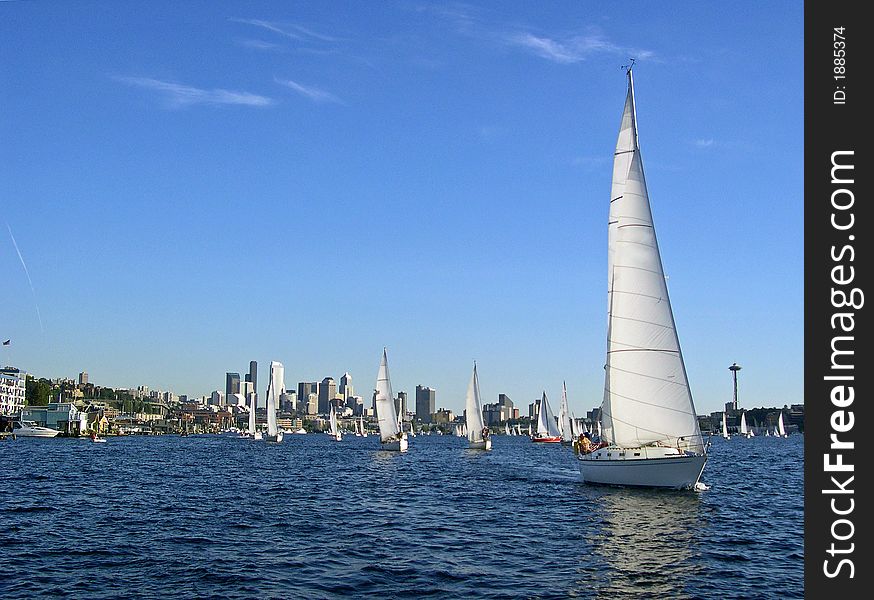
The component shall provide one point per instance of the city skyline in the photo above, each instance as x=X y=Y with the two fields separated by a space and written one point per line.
x=432 y=178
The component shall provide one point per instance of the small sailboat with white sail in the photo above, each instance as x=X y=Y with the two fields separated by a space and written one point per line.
x=334 y=431
x=478 y=436
x=252 y=433
x=648 y=418
x=564 y=418
x=274 y=389
x=725 y=435
x=781 y=430
x=391 y=437
x=744 y=429
x=547 y=430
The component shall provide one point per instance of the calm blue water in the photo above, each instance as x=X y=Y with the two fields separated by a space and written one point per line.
x=209 y=516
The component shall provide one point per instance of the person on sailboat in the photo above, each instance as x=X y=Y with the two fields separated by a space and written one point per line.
x=485 y=433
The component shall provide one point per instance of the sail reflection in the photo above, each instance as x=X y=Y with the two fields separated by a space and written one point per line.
x=646 y=545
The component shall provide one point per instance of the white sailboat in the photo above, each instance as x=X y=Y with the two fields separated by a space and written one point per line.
x=477 y=433
x=390 y=435
x=781 y=431
x=253 y=433
x=648 y=418
x=547 y=430
x=335 y=433
x=564 y=418
x=725 y=428
x=507 y=429
x=361 y=430
x=274 y=389
x=744 y=429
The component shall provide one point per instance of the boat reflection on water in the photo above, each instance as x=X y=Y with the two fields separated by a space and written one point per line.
x=645 y=545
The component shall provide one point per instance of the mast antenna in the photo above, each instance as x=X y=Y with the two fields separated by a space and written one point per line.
x=629 y=66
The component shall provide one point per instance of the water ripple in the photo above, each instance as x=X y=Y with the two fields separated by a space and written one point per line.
x=216 y=517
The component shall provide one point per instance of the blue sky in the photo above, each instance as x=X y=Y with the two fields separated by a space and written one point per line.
x=195 y=185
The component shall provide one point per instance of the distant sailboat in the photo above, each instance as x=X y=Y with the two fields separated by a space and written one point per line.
x=390 y=435
x=744 y=430
x=564 y=418
x=781 y=431
x=274 y=389
x=647 y=414
x=725 y=428
x=477 y=433
x=547 y=430
x=335 y=433
x=361 y=430
x=507 y=429
x=253 y=433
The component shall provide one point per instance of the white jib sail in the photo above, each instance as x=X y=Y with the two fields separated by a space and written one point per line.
x=252 y=415
x=473 y=410
x=780 y=429
x=724 y=426
x=564 y=417
x=743 y=424
x=274 y=389
x=385 y=406
x=646 y=390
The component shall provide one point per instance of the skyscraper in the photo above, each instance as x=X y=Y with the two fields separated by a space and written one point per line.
x=346 y=386
x=401 y=405
x=232 y=384
x=304 y=389
x=327 y=391
x=83 y=378
x=426 y=399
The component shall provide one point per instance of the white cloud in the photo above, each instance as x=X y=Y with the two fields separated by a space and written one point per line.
x=308 y=91
x=179 y=95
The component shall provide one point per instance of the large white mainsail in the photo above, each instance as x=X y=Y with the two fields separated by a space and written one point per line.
x=724 y=427
x=743 y=424
x=386 y=414
x=564 y=417
x=477 y=435
x=646 y=391
x=781 y=431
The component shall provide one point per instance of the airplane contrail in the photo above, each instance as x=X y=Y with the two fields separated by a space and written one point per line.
x=26 y=272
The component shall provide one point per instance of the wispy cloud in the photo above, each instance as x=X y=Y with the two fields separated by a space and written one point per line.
x=309 y=91
x=258 y=44
x=27 y=274
x=703 y=143
x=568 y=48
x=178 y=95
x=572 y=49
x=289 y=30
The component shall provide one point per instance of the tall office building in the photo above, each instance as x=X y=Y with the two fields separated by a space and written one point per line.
x=253 y=374
x=327 y=391
x=232 y=384
x=312 y=404
x=83 y=378
x=346 y=386
x=277 y=381
x=304 y=389
x=401 y=405
x=425 y=403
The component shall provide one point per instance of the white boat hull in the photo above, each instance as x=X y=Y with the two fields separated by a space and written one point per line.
x=273 y=438
x=481 y=445
x=45 y=432
x=396 y=445
x=654 y=467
